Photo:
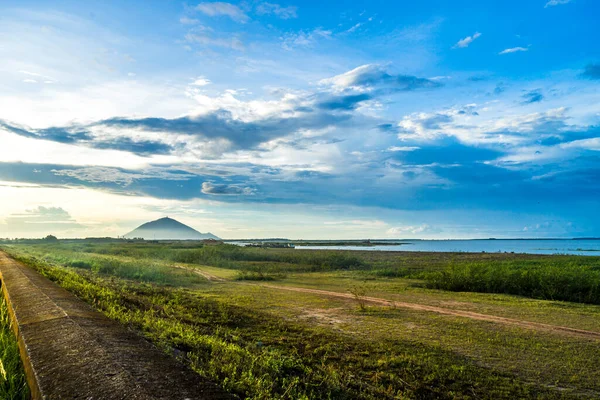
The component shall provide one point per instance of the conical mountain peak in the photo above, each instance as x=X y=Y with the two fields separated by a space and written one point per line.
x=168 y=229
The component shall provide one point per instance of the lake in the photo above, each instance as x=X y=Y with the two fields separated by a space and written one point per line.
x=536 y=246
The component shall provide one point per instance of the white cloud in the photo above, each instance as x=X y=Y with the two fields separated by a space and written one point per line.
x=188 y=21
x=201 y=81
x=513 y=50
x=489 y=125
x=467 y=41
x=440 y=78
x=584 y=144
x=358 y=25
x=103 y=174
x=40 y=221
x=354 y=27
x=353 y=79
x=221 y=8
x=403 y=148
x=277 y=10
x=369 y=77
x=410 y=229
x=305 y=39
x=552 y=3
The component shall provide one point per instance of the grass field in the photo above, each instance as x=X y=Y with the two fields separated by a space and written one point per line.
x=381 y=325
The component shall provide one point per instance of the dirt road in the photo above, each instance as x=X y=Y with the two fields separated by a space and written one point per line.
x=421 y=307
x=452 y=312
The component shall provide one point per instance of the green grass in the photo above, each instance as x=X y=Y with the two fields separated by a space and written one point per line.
x=13 y=385
x=264 y=343
x=257 y=356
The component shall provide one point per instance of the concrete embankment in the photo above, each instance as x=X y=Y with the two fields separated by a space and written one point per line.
x=71 y=351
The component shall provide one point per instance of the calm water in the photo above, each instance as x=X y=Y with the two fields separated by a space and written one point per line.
x=579 y=247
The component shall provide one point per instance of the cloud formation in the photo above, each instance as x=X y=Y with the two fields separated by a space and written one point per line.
x=40 y=221
x=228 y=124
x=188 y=21
x=513 y=50
x=552 y=3
x=462 y=43
x=399 y=230
x=218 y=8
x=304 y=39
x=226 y=189
x=371 y=77
x=120 y=176
x=277 y=10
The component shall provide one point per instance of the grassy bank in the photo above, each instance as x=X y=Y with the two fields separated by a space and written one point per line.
x=13 y=385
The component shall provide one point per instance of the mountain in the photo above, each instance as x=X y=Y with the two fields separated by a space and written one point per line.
x=167 y=229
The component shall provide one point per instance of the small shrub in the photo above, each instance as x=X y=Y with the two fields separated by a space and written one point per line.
x=359 y=293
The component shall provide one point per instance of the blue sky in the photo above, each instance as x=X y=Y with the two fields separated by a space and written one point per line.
x=302 y=119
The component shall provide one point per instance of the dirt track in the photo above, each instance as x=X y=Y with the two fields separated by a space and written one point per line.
x=447 y=311
x=206 y=275
x=564 y=330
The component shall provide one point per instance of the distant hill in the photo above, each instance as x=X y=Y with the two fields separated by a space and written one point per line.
x=168 y=229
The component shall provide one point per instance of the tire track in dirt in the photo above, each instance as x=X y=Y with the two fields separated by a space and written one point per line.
x=447 y=311
x=206 y=275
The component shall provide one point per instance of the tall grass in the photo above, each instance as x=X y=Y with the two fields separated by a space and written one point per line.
x=229 y=256
x=143 y=270
x=224 y=255
x=576 y=281
x=13 y=385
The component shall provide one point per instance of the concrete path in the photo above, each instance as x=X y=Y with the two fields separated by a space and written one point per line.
x=71 y=351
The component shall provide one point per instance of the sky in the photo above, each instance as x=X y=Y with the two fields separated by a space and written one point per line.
x=301 y=119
